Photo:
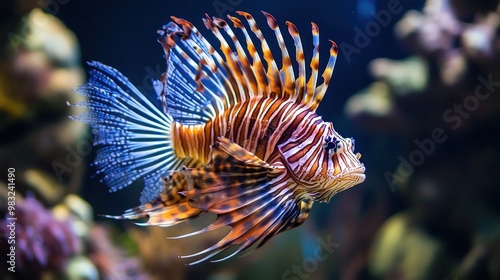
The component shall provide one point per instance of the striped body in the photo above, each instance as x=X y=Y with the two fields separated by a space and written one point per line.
x=235 y=136
x=258 y=125
x=264 y=126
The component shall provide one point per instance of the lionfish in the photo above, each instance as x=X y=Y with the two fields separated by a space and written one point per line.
x=231 y=134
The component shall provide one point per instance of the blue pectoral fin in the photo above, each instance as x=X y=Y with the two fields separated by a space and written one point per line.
x=131 y=134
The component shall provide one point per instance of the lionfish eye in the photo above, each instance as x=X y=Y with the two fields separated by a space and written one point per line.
x=332 y=145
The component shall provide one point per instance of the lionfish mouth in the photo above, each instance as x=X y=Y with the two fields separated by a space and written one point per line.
x=346 y=180
x=355 y=169
x=358 y=173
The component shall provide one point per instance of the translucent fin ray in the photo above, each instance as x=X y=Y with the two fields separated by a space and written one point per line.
x=247 y=194
x=202 y=82
x=131 y=134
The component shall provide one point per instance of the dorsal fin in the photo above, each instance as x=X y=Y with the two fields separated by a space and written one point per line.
x=202 y=82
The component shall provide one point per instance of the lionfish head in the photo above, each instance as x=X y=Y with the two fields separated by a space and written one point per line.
x=344 y=168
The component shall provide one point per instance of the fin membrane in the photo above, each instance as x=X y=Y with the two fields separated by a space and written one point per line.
x=169 y=208
x=247 y=194
x=253 y=198
x=131 y=134
x=201 y=82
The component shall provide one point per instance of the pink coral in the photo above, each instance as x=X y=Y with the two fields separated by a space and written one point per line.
x=42 y=241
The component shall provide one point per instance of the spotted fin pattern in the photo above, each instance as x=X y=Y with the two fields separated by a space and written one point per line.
x=201 y=82
x=207 y=93
x=255 y=199
x=247 y=194
x=169 y=208
x=132 y=135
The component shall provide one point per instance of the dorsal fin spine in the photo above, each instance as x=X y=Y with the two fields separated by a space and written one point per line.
x=225 y=82
x=258 y=67
x=272 y=69
x=247 y=69
x=233 y=65
x=299 y=53
x=204 y=82
x=311 y=84
x=232 y=88
x=327 y=75
x=286 y=69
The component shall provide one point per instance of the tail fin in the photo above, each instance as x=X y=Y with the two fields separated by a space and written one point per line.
x=132 y=135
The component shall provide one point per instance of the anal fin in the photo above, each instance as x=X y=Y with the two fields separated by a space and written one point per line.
x=253 y=198
x=169 y=208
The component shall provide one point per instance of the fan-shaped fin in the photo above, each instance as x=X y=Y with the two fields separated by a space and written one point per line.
x=131 y=134
x=252 y=197
x=255 y=199
x=201 y=83
x=169 y=208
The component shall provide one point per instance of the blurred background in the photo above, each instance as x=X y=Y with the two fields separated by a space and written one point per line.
x=416 y=84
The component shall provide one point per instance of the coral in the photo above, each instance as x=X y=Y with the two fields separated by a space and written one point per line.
x=39 y=68
x=64 y=243
x=111 y=261
x=42 y=241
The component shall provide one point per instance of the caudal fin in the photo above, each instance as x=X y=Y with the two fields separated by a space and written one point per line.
x=131 y=134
